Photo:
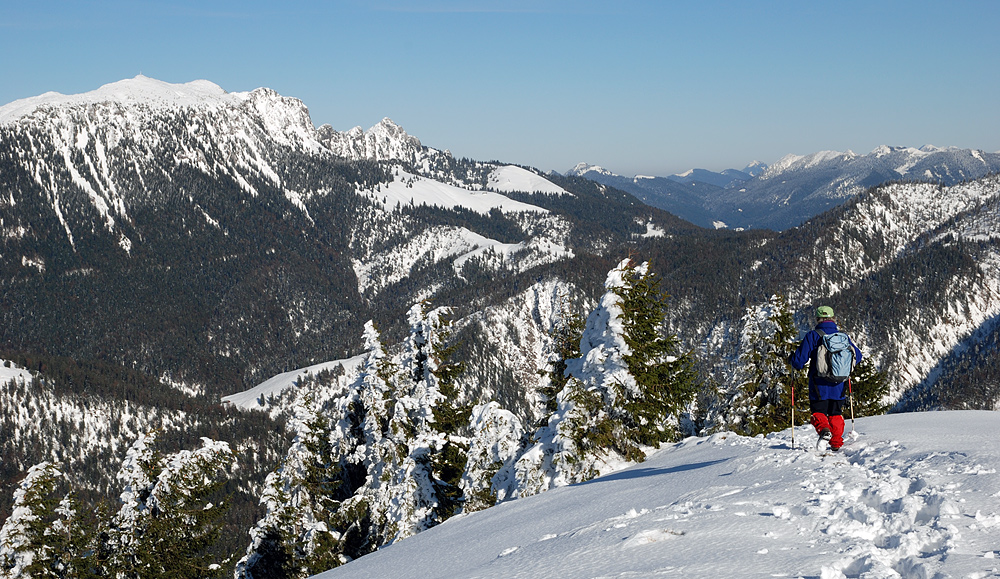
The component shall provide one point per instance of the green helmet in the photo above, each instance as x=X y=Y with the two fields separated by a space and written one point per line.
x=823 y=312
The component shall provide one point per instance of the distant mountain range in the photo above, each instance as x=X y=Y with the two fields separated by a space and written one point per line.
x=796 y=187
x=165 y=245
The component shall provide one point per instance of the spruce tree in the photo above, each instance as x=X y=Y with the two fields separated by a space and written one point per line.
x=33 y=540
x=763 y=401
x=322 y=502
x=296 y=537
x=272 y=552
x=168 y=522
x=869 y=389
x=665 y=376
x=565 y=338
x=451 y=418
x=626 y=392
x=489 y=476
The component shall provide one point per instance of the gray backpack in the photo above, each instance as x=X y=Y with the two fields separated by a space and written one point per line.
x=834 y=357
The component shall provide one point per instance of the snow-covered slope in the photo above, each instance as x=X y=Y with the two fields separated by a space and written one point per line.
x=796 y=187
x=259 y=396
x=149 y=92
x=509 y=178
x=914 y=496
x=10 y=371
x=409 y=189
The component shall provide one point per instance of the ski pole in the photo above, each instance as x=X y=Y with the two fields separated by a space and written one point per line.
x=850 y=394
x=793 y=415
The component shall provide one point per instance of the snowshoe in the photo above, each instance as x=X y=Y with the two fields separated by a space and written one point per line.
x=824 y=435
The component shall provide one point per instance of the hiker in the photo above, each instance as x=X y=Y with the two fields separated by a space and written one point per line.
x=826 y=395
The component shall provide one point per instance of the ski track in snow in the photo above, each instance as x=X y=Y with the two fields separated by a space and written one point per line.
x=728 y=505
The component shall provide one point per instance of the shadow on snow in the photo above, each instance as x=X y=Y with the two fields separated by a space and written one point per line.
x=634 y=473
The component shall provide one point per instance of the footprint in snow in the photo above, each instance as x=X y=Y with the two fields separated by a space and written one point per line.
x=651 y=536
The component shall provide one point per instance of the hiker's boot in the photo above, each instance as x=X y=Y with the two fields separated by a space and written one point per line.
x=825 y=434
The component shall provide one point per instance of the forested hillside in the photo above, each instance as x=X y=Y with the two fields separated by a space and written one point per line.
x=159 y=255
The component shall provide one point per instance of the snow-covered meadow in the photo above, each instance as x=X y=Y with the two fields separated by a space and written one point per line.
x=915 y=495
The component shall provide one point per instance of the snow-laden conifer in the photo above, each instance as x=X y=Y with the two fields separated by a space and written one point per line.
x=33 y=540
x=299 y=501
x=167 y=521
x=625 y=393
x=324 y=504
x=137 y=473
x=425 y=487
x=489 y=474
x=762 y=399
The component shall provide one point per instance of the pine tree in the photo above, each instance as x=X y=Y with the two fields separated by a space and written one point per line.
x=626 y=391
x=33 y=540
x=665 y=376
x=869 y=389
x=762 y=402
x=167 y=522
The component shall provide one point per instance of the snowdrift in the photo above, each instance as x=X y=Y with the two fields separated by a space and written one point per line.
x=916 y=495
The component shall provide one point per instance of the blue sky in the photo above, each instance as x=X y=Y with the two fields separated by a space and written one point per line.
x=639 y=87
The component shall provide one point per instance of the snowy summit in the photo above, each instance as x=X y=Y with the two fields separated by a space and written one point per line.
x=915 y=495
x=141 y=89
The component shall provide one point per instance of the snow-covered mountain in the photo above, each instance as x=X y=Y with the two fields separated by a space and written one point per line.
x=682 y=198
x=139 y=170
x=386 y=141
x=163 y=245
x=796 y=187
x=913 y=496
x=725 y=179
x=184 y=210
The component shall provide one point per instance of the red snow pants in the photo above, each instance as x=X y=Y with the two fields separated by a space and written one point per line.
x=834 y=423
x=829 y=414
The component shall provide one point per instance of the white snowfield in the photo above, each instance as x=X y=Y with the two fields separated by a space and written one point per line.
x=407 y=188
x=509 y=178
x=252 y=399
x=915 y=496
x=10 y=371
x=151 y=92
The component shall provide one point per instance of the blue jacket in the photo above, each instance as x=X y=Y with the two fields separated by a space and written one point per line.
x=807 y=353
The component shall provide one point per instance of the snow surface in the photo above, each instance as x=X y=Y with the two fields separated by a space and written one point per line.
x=274 y=386
x=582 y=169
x=408 y=188
x=141 y=89
x=915 y=495
x=509 y=178
x=11 y=371
x=654 y=230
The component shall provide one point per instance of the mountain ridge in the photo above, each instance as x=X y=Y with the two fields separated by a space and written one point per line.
x=210 y=249
x=795 y=187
